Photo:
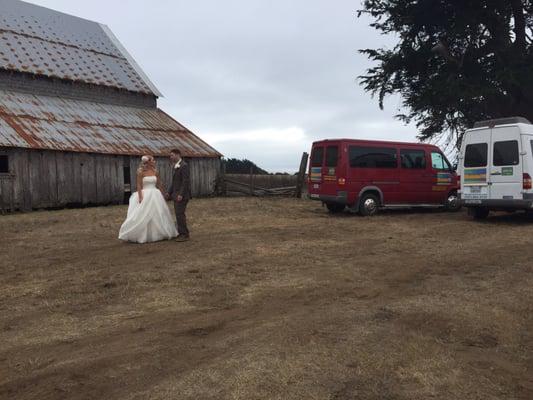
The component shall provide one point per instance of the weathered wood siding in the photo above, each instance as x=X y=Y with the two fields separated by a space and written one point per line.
x=46 y=179
x=204 y=172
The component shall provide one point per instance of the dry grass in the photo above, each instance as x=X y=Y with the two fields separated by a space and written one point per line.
x=272 y=299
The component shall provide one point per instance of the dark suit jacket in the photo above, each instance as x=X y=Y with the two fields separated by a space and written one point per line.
x=181 y=182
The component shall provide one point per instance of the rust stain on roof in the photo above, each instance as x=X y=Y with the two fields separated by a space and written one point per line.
x=52 y=123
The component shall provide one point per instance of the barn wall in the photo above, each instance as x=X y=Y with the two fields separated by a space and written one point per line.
x=28 y=83
x=49 y=179
x=204 y=172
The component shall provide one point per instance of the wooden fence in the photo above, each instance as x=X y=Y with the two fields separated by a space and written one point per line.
x=262 y=185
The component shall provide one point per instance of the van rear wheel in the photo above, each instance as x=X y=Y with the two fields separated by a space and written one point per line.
x=335 y=208
x=368 y=205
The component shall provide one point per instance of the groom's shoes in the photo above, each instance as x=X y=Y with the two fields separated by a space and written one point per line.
x=182 y=238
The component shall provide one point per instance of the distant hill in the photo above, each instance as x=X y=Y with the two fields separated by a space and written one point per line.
x=235 y=166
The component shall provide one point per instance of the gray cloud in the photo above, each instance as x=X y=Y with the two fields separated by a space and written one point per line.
x=254 y=67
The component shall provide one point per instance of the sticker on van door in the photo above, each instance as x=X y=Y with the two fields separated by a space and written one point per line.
x=507 y=171
x=475 y=176
x=316 y=174
x=444 y=178
x=330 y=175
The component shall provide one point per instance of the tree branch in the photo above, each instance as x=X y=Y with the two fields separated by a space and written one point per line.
x=519 y=23
x=443 y=50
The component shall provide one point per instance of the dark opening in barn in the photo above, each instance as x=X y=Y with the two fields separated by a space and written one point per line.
x=4 y=164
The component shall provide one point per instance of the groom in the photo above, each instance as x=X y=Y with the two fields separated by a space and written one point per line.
x=180 y=193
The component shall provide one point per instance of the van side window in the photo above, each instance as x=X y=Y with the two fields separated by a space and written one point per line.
x=373 y=157
x=476 y=155
x=332 y=156
x=317 y=157
x=506 y=153
x=413 y=159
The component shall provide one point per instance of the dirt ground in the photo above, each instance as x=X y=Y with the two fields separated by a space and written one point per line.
x=271 y=299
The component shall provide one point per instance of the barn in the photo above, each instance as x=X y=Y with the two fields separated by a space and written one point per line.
x=77 y=113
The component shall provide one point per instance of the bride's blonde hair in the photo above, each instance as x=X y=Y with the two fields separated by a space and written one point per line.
x=143 y=166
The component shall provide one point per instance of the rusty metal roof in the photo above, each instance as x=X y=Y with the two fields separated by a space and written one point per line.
x=53 y=123
x=41 y=41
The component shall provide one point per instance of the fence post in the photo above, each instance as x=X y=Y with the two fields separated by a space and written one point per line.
x=301 y=175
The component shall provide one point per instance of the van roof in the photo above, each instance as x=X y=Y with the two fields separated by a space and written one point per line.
x=489 y=123
x=383 y=142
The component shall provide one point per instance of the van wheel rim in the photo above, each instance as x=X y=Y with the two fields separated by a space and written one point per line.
x=452 y=200
x=370 y=205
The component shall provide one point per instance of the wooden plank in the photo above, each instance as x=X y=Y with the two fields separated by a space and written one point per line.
x=24 y=170
x=99 y=166
x=88 y=179
x=3 y=200
x=103 y=164
x=134 y=164
x=14 y=168
x=108 y=166
x=198 y=178
x=62 y=179
x=34 y=178
x=118 y=179
x=75 y=185
x=50 y=166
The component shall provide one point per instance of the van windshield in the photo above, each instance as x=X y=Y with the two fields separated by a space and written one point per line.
x=476 y=155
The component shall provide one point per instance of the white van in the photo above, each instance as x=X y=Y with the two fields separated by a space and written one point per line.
x=496 y=165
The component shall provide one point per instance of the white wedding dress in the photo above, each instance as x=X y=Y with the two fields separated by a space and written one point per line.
x=150 y=220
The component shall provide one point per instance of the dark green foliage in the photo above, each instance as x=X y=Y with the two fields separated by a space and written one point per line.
x=456 y=61
x=235 y=166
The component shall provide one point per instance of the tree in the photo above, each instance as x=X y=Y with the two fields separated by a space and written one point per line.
x=456 y=62
x=235 y=166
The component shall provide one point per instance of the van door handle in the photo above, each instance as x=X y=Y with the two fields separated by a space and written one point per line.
x=495 y=173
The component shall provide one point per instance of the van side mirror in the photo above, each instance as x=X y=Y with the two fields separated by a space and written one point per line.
x=454 y=167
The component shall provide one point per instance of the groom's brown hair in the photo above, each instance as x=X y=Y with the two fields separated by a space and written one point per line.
x=176 y=151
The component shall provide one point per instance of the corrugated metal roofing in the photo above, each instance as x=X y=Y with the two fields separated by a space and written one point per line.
x=41 y=41
x=53 y=123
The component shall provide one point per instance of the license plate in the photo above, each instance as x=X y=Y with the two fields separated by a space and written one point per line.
x=314 y=196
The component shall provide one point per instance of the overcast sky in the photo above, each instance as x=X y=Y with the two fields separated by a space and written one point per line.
x=257 y=79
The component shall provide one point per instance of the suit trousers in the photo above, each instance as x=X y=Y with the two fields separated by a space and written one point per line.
x=181 y=219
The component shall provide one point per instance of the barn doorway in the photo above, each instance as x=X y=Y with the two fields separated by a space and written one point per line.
x=127 y=179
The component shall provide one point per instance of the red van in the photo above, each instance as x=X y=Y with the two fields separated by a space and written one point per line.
x=366 y=175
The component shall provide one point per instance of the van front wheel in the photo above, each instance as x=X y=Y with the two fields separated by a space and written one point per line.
x=368 y=205
x=452 y=202
x=335 y=208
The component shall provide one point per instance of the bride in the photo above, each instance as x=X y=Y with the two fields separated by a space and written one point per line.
x=148 y=219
